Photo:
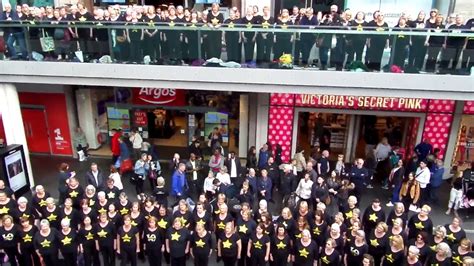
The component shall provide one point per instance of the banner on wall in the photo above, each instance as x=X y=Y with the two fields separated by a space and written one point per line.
x=159 y=96
x=140 y=118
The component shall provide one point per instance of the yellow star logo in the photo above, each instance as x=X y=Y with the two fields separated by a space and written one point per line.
x=433 y=247
x=374 y=242
x=184 y=221
x=201 y=222
x=221 y=225
x=133 y=223
x=215 y=21
x=231 y=25
x=265 y=24
x=298 y=235
x=42 y=203
x=249 y=25
x=316 y=231
x=359 y=28
x=52 y=217
x=451 y=237
x=66 y=241
x=25 y=216
x=102 y=210
x=348 y=215
x=124 y=211
x=126 y=238
x=162 y=223
x=91 y=202
x=73 y=194
x=303 y=253
x=171 y=24
x=325 y=260
x=46 y=243
x=200 y=243
x=111 y=195
x=227 y=244
x=390 y=258
x=175 y=236
x=102 y=233
x=27 y=238
x=284 y=26
x=82 y=19
x=281 y=245
x=457 y=260
x=4 y=210
x=257 y=245
x=243 y=229
x=419 y=225
x=67 y=219
x=90 y=236
x=373 y=217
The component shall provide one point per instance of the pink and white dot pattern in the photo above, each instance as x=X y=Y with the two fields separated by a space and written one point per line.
x=437 y=128
x=280 y=128
x=441 y=106
x=287 y=99
x=469 y=108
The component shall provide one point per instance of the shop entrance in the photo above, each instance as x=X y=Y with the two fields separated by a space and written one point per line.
x=353 y=134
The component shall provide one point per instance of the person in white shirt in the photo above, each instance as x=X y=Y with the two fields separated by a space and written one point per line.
x=423 y=175
x=114 y=174
x=209 y=186
x=223 y=176
x=382 y=153
x=136 y=141
x=303 y=191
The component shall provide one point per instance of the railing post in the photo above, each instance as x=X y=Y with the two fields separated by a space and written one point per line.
x=293 y=48
x=111 y=43
x=199 y=43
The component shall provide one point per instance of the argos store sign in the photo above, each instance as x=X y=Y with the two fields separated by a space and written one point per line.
x=159 y=96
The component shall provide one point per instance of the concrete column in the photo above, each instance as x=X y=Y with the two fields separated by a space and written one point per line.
x=263 y=102
x=243 y=125
x=87 y=112
x=13 y=122
x=453 y=137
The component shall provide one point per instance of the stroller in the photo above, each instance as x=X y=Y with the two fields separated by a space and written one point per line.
x=467 y=201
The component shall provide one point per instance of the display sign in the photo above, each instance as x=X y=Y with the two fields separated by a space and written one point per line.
x=14 y=171
x=159 y=96
x=219 y=121
x=361 y=102
x=140 y=118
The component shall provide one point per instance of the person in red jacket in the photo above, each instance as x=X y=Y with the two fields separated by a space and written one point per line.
x=115 y=145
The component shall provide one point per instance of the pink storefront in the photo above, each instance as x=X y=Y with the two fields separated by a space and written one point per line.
x=348 y=124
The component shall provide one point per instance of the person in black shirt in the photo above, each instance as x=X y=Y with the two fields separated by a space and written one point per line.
x=306 y=251
x=87 y=243
x=468 y=54
x=83 y=17
x=265 y=39
x=46 y=243
x=9 y=234
x=215 y=20
x=68 y=242
x=401 y=43
x=356 y=249
x=248 y=37
x=329 y=255
x=280 y=247
x=106 y=240
x=151 y=36
x=154 y=240
x=453 y=46
x=229 y=245
x=435 y=43
x=134 y=37
x=201 y=246
x=418 y=48
x=358 y=40
x=232 y=38
x=172 y=36
x=259 y=246
x=192 y=53
x=376 y=44
x=128 y=242
x=28 y=255
x=177 y=242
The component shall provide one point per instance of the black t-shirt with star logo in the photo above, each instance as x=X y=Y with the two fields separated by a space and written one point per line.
x=127 y=238
x=229 y=245
x=355 y=253
x=415 y=226
x=319 y=232
x=221 y=222
x=68 y=242
x=454 y=238
x=28 y=213
x=305 y=255
x=393 y=258
x=201 y=245
x=72 y=216
x=46 y=245
x=329 y=259
x=106 y=234
x=9 y=238
x=280 y=248
x=215 y=19
x=205 y=221
x=87 y=237
x=457 y=257
x=53 y=217
x=371 y=218
x=26 y=238
x=259 y=245
x=8 y=208
x=245 y=229
x=178 y=239
x=185 y=217
x=377 y=246
x=76 y=194
x=39 y=204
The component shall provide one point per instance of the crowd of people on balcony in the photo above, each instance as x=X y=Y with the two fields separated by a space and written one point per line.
x=177 y=46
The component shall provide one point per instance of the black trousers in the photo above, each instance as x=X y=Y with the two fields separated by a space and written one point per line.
x=70 y=259
x=233 y=47
x=51 y=259
x=91 y=256
x=249 y=47
x=201 y=259
x=129 y=255
x=258 y=260
x=433 y=52
x=181 y=261
x=417 y=52
x=282 y=46
x=139 y=184
x=154 y=256
x=229 y=261
x=108 y=256
x=244 y=260
x=215 y=44
x=12 y=253
x=29 y=257
x=264 y=48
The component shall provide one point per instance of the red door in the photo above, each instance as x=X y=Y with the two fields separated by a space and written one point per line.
x=36 y=130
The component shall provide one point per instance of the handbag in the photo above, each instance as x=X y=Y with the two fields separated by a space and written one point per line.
x=126 y=166
x=152 y=174
x=47 y=42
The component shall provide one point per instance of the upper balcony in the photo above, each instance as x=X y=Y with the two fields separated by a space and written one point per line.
x=270 y=58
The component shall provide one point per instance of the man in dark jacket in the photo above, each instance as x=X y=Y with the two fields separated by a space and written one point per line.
x=95 y=177
x=273 y=172
x=234 y=168
x=358 y=175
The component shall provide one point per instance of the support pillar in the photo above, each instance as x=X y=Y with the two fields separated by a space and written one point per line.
x=13 y=122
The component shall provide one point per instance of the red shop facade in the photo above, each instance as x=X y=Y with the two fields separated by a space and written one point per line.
x=299 y=120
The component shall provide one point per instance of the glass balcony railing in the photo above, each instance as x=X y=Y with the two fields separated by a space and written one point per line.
x=250 y=46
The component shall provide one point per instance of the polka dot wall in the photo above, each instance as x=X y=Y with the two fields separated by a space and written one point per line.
x=469 y=108
x=280 y=128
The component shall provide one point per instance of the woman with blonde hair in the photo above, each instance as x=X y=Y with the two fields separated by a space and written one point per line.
x=378 y=242
x=356 y=249
x=454 y=231
x=455 y=195
x=177 y=242
x=441 y=256
x=461 y=251
x=394 y=254
x=412 y=256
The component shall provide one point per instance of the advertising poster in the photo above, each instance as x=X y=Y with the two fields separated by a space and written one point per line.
x=15 y=170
